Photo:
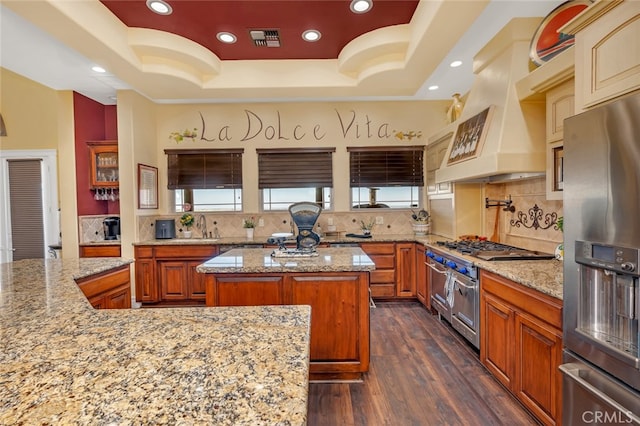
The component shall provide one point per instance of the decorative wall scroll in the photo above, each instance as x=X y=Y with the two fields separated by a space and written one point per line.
x=470 y=136
x=536 y=215
x=147 y=187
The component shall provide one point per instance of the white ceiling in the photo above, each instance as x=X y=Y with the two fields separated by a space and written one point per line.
x=29 y=51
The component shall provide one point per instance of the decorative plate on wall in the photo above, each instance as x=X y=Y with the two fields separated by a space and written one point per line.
x=547 y=42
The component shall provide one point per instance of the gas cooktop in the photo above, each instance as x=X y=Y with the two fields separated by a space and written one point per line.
x=488 y=250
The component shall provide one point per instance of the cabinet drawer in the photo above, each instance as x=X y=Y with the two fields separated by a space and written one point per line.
x=100 y=251
x=186 y=252
x=378 y=248
x=383 y=261
x=383 y=290
x=376 y=277
x=143 y=252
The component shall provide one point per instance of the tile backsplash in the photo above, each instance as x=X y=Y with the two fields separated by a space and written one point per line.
x=230 y=225
x=91 y=229
x=517 y=228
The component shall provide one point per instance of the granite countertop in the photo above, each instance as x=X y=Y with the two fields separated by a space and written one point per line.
x=101 y=243
x=542 y=275
x=258 y=260
x=63 y=362
x=262 y=240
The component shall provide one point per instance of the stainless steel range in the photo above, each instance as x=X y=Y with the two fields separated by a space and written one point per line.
x=453 y=279
x=454 y=292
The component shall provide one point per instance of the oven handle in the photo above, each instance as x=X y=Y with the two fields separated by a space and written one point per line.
x=460 y=283
x=435 y=269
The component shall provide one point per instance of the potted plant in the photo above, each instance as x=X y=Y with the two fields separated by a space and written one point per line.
x=420 y=222
x=559 y=253
x=367 y=226
x=187 y=221
x=249 y=224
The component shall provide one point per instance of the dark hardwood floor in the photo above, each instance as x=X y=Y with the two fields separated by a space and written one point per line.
x=421 y=374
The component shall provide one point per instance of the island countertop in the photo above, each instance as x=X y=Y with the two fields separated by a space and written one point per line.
x=258 y=260
x=63 y=362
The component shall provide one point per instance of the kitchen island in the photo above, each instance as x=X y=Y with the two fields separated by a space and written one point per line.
x=63 y=362
x=335 y=283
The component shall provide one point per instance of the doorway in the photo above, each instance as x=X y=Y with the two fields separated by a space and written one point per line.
x=29 y=218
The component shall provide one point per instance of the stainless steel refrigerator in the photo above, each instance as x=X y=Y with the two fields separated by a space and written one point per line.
x=601 y=364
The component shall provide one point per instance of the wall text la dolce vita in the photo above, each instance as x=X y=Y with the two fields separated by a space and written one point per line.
x=274 y=127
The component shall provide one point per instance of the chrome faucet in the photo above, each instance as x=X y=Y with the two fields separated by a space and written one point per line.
x=202 y=225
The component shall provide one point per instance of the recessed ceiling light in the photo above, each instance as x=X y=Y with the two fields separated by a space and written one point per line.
x=226 y=37
x=311 y=35
x=434 y=87
x=160 y=7
x=455 y=64
x=98 y=69
x=361 y=6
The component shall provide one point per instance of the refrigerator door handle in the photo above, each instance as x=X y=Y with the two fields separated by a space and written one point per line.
x=572 y=370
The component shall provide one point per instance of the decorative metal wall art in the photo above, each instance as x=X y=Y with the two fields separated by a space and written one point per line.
x=536 y=215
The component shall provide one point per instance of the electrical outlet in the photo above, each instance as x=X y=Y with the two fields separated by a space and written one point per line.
x=330 y=221
x=260 y=222
x=379 y=220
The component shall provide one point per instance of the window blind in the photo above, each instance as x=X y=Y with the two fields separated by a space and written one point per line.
x=204 y=169
x=295 y=168
x=386 y=166
x=27 y=220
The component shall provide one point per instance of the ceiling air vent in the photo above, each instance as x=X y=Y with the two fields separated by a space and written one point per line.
x=265 y=38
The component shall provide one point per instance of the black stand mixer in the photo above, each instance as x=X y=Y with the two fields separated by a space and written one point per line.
x=304 y=215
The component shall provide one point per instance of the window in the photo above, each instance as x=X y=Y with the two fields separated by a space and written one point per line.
x=208 y=179
x=389 y=177
x=287 y=176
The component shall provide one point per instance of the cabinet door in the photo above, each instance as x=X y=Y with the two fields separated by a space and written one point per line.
x=421 y=276
x=538 y=352
x=173 y=280
x=406 y=270
x=197 y=289
x=146 y=285
x=118 y=299
x=104 y=164
x=339 y=309
x=560 y=105
x=250 y=290
x=496 y=348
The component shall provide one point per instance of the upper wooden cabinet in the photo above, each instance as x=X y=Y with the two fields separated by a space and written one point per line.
x=103 y=156
x=606 y=48
x=560 y=105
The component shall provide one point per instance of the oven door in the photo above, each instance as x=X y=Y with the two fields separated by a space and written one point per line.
x=465 y=312
x=439 y=283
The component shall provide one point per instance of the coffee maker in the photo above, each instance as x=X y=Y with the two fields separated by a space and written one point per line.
x=111 y=226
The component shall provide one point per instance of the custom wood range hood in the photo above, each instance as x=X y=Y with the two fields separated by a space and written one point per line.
x=514 y=142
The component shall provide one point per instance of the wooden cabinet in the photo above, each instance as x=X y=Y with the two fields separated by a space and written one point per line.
x=560 y=105
x=104 y=164
x=606 y=51
x=100 y=251
x=108 y=290
x=422 y=286
x=383 y=279
x=405 y=270
x=339 y=301
x=166 y=275
x=521 y=343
